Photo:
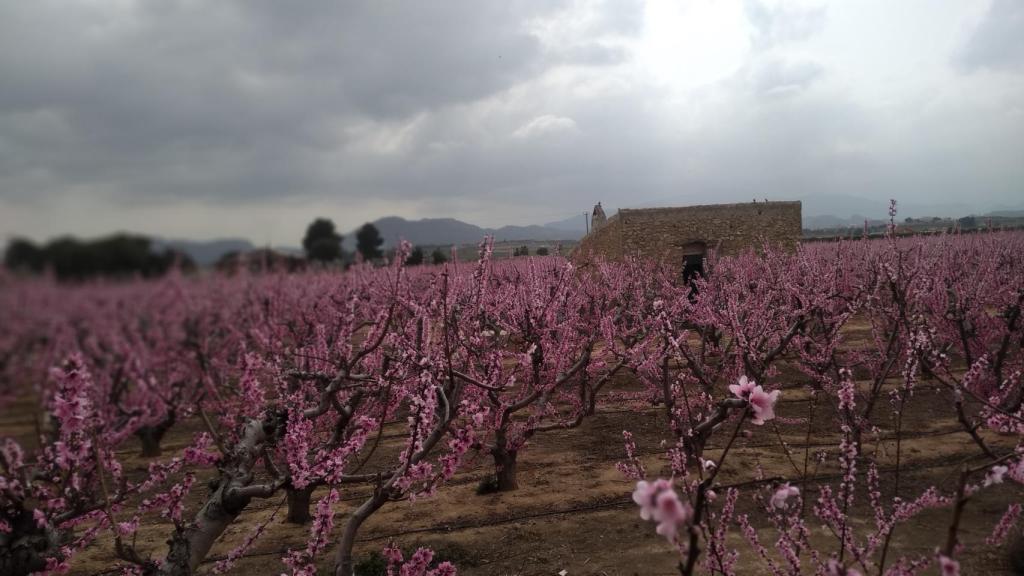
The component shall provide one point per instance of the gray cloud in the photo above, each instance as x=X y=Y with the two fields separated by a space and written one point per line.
x=996 y=43
x=781 y=24
x=782 y=77
x=252 y=117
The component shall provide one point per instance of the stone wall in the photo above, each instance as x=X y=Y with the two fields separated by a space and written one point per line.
x=606 y=240
x=669 y=233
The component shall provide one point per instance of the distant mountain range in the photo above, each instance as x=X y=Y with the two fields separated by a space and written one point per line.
x=448 y=231
x=821 y=212
x=835 y=211
x=425 y=232
x=205 y=253
x=829 y=222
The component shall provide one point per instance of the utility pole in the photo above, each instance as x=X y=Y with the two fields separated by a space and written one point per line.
x=586 y=222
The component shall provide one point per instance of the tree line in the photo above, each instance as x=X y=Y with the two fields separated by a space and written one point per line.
x=323 y=243
x=123 y=255
x=73 y=259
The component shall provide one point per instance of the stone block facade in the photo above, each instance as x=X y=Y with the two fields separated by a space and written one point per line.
x=672 y=234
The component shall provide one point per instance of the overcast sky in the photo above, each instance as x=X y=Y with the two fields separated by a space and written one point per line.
x=249 y=118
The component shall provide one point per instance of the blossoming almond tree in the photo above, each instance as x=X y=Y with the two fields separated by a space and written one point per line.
x=303 y=387
x=530 y=353
x=900 y=287
x=59 y=499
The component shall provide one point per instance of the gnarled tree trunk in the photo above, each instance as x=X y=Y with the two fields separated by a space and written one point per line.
x=25 y=549
x=189 y=547
x=298 y=505
x=505 y=468
x=233 y=493
x=344 y=561
x=151 y=436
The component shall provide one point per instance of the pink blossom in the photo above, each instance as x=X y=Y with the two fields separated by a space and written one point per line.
x=659 y=502
x=393 y=554
x=834 y=568
x=646 y=494
x=847 y=391
x=670 y=512
x=303 y=562
x=743 y=388
x=40 y=517
x=995 y=475
x=1017 y=472
x=948 y=566
x=417 y=565
x=1005 y=525
x=478 y=418
x=128 y=528
x=202 y=451
x=632 y=467
x=783 y=494
x=762 y=403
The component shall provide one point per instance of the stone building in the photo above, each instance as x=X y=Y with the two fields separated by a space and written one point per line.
x=684 y=235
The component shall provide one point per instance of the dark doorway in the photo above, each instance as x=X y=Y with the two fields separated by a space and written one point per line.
x=693 y=263
x=693 y=267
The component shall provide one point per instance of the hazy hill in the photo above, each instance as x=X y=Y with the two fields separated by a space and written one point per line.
x=206 y=252
x=828 y=221
x=445 y=231
x=819 y=213
x=575 y=224
x=825 y=212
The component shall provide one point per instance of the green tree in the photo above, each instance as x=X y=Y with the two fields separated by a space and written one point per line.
x=322 y=241
x=521 y=251
x=23 y=255
x=368 y=242
x=438 y=257
x=117 y=255
x=543 y=251
x=415 y=258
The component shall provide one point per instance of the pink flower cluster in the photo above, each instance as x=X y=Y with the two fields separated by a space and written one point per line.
x=834 y=568
x=303 y=562
x=780 y=499
x=660 y=503
x=417 y=565
x=761 y=403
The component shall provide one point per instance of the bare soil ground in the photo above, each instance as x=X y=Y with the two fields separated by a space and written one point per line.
x=573 y=510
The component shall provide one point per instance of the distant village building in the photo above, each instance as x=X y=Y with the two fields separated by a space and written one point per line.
x=598 y=219
x=682 y=236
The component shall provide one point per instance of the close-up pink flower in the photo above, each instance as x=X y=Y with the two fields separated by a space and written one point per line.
x=646 y=496
x=782 y=494
x=948 y=566
x=763 y=405
x=670 y=513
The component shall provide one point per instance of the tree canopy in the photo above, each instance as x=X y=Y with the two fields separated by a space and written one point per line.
x=368 y=242
x=322 y=241
x=416 y=257
x=74 y=259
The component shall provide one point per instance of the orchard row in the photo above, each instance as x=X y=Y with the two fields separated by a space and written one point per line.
x=292 y=380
